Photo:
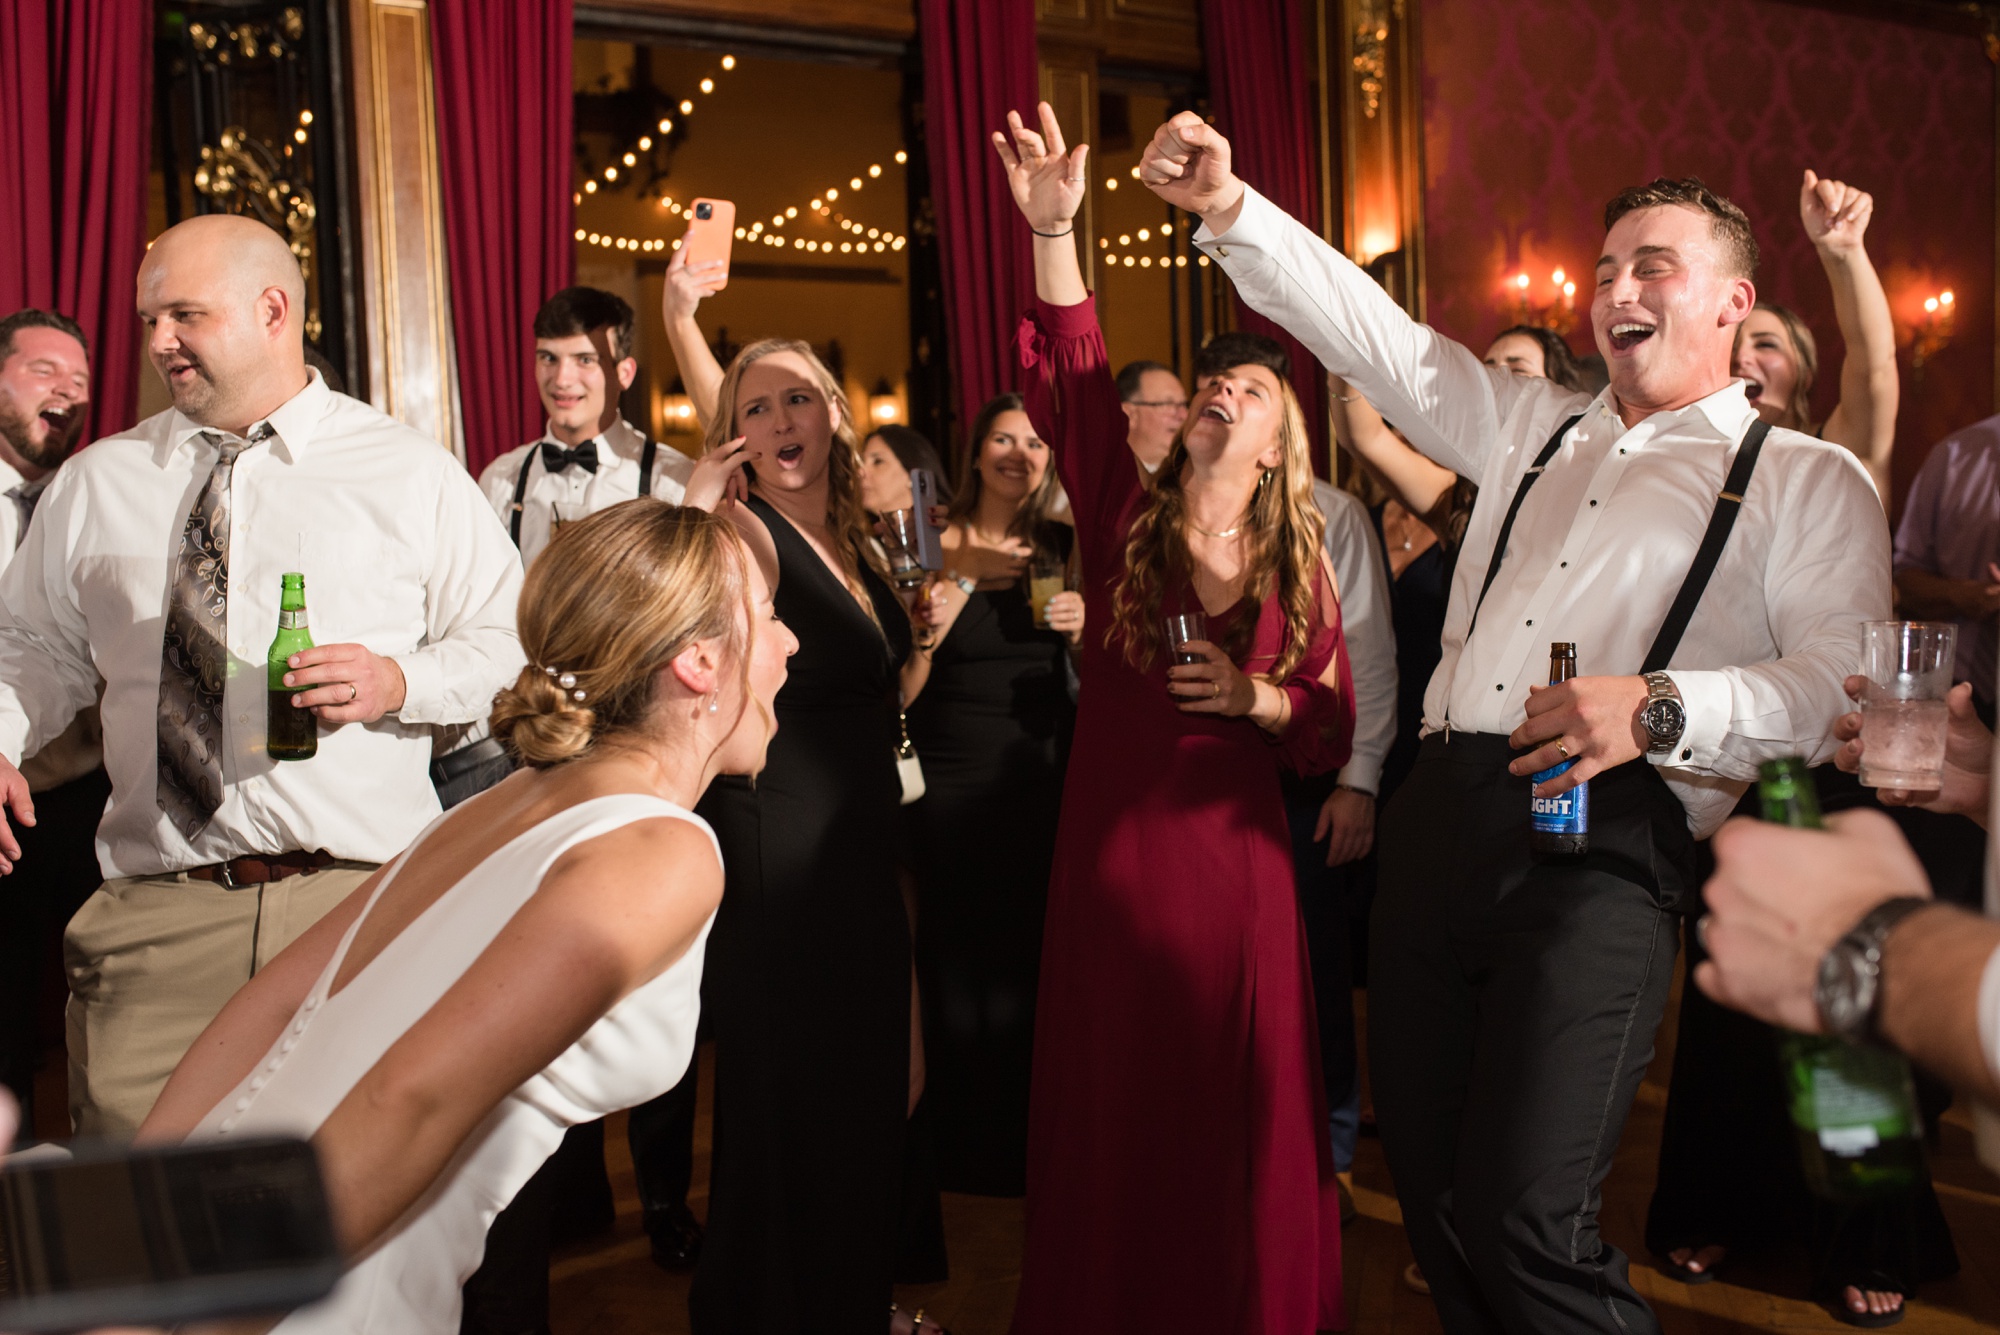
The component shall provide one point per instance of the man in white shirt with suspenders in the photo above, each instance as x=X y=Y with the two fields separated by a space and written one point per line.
x=1715 y=604
x=590 y=457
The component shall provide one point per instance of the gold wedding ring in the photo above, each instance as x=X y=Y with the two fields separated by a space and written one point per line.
x=1216 y=692
x=353 y=692
x=1564 y=749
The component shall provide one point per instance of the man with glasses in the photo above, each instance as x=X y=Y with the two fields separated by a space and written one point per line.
x=1155 y=405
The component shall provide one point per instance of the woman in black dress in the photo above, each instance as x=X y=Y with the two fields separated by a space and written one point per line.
x=808 y=987
x=991 y=714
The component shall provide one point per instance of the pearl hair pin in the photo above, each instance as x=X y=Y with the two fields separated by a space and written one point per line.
x=567 y=681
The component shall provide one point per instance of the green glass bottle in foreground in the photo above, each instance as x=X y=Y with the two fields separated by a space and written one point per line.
x=1853 y=1105
x=292 y=734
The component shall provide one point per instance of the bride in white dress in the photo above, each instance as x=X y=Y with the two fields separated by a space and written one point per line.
x=534 y=959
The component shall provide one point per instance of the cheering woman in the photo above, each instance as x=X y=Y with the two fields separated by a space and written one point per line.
x=1179 y=1171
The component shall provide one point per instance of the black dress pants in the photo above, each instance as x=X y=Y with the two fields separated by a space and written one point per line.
x=1512 y=1007
x=57 y=871
x=1325 y=912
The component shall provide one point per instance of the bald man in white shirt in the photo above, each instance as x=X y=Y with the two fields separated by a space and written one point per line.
x=1713 y=575
x=155 y=559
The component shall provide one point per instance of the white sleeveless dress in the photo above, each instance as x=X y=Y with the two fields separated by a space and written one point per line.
x=409 y=1281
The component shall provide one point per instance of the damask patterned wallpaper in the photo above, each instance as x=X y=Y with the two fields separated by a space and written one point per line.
x=1537 y=111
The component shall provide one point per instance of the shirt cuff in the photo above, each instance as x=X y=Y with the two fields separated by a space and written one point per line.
x=1708 y=703
x=1067 y=321
x=1989 y=1013
x=1251 y=228
x=423 y=688
x=1364 y=773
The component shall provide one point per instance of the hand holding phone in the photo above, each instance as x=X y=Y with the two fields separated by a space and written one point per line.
x=710 y=232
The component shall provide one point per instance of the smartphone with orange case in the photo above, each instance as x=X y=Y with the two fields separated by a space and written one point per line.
x=711 y=228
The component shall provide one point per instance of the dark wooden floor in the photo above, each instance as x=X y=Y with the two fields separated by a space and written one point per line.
x=610 y=1287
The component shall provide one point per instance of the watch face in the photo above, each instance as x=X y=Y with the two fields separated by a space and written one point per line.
x=1664 y=719
x=1846 y=991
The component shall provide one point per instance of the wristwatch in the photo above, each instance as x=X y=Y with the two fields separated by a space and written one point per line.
x=1663 y=716
x=1848 y=992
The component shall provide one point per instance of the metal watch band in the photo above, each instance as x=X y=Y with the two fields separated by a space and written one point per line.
x=1866 y=940
x=1659 y=686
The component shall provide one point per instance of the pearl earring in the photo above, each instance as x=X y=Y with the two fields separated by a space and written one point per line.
x=715 y=703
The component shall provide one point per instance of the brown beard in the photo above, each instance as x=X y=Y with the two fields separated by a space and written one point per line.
x=18 y=432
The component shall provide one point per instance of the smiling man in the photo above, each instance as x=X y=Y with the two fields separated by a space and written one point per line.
x=590 y=457
x=1712 y=573
x=155 y=558
x=44 y=394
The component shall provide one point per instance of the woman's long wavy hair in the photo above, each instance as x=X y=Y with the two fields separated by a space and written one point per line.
x=843 y=461
x=1285 y=532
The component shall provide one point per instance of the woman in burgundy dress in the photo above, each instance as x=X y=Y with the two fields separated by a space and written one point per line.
x=1179 y=1172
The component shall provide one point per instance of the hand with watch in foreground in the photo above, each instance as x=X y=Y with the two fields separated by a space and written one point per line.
x=1784 y=908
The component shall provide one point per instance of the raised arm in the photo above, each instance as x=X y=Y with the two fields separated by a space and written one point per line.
x=1836 y=217
x=701 y=374
x=1438 y=393
x=1865 y=420
x=1070 y=395
x=1419 y=486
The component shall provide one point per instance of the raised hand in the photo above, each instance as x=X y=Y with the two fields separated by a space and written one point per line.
x=1047 y=178
x=718 y=475
x=1834 y=212
x=687 y=284
x=1187 y=164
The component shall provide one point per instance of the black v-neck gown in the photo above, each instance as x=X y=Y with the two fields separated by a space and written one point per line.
x=807 y=985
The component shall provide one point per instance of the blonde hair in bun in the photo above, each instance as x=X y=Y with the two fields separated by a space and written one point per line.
x=608 y=604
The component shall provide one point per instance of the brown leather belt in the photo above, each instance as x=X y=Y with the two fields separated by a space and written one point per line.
x=261 y=868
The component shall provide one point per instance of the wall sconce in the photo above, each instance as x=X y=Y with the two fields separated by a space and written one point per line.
x=1557 y=313
x=1934 y=331
x=677 y=416
x=882 y=405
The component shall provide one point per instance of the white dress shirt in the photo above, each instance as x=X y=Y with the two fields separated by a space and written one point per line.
x=400 y=554
x=1365 y=625
x=1608 y=533
x=616 y=479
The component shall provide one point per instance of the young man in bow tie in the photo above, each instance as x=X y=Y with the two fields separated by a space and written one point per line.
x=590 y=457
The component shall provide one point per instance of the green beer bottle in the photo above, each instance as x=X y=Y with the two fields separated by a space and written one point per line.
x=291 y=734
x=1852 y=1104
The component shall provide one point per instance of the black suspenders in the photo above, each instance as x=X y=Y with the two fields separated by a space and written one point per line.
x=1728 y=505
x=647 y=453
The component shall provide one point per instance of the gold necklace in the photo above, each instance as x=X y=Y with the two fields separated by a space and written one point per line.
x=1226 y=533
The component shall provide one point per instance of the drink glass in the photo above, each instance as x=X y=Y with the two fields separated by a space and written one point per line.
x=1903 y=715
x=899 y=542
x=1047 y=577
x=1185 y=626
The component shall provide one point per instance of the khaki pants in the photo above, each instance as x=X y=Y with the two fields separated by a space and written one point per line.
x=151 y=959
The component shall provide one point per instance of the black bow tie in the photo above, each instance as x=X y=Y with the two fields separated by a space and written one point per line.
x=555 y=458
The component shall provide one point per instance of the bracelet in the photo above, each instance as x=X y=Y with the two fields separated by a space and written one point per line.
x=1065 y=232
x=969 y=587
x=1346 y=398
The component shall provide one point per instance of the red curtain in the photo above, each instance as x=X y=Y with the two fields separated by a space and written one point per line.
x=504 y=148
x=76 y=85
x=1263 y=105
x=979 y=64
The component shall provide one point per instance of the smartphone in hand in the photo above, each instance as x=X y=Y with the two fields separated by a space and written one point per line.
x=929 y=549
x=710 y=233
x=117 y=1236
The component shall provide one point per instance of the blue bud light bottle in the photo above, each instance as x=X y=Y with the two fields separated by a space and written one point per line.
x=1559 y=827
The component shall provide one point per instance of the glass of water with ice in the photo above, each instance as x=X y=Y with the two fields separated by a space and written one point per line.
x=1903 y=719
